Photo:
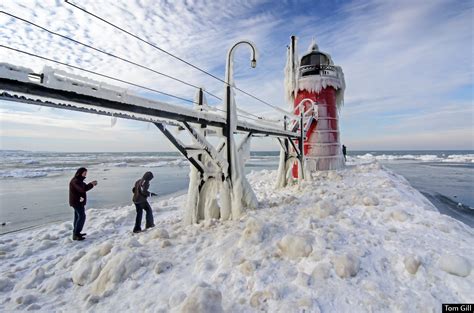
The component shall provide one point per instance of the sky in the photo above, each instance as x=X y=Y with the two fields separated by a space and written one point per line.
x=408 y=66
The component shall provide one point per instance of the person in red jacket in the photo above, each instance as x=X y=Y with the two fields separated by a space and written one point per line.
x=78 y=200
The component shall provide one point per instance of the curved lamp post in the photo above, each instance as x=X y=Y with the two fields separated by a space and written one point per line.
x=230 y=59
x=229 y=103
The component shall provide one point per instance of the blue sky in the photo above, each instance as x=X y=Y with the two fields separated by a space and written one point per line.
x=408 y=66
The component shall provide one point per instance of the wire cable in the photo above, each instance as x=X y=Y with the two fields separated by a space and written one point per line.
x=257 y=116
x=97 y=73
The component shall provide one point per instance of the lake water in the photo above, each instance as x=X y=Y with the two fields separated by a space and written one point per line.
x=34 y=185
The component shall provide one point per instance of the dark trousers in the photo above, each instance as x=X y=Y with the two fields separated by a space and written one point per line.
x=149 y=215
x=79 y=219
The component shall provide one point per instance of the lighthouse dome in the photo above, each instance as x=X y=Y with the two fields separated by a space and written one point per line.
x=312 y=62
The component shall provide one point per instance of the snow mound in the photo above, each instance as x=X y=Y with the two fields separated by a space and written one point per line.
x=324 y=208
x=253 y=232
x=247 y=267
x=26 y=299
x=346 y=265
x=162 y=267
x=160 y=233
x=176 y=299
x=33 y=280
x=411 y=264
x=165 y=243
x=132 y=243
x=119 y=267
x=321 y=272
x=455 y=264
x=294 y=247
x=400 y=215
x=89 y=266
x=302 y=279
x=370 y=200
x=56 y=285
x=202 y=299
x=259 y=300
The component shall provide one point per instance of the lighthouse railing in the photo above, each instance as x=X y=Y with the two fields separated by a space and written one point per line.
x=321 y=69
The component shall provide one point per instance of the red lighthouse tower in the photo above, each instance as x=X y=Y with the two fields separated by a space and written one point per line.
x=318 y=91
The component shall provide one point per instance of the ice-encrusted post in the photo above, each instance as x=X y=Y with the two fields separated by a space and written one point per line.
x=301 y=146
x=283 y=165
x=236 y=191
x=201 y=202
x=291 y=89
x=291 y=69
x=193 y=214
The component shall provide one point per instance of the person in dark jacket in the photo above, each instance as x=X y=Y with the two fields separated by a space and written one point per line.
x=140 y=195
x=78 y=200
x=344 y=152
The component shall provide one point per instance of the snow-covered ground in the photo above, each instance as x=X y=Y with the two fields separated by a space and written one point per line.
x=356 y=240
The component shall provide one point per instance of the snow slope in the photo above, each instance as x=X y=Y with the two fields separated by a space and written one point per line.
x=356 y=240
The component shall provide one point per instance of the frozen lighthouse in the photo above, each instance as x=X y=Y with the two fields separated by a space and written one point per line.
x=315 y=91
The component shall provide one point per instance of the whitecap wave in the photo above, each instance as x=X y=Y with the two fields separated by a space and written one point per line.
x=33 y=172
x=454 y=158
x=178 y=162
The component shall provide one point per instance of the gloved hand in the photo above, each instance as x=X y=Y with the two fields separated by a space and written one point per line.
x=153 y=194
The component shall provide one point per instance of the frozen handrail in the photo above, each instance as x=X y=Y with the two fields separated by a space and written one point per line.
x=98 y=74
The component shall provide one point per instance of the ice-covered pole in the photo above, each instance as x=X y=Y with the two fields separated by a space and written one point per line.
x=291 y=72
x=236 y=193
x=291 y=87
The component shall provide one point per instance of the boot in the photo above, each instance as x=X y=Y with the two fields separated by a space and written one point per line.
x=77 y=237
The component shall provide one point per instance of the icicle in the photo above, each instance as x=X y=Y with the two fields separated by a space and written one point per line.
x=208 y=201
x=113 y=121
x=340 y=91
x=192 y=213
x=225 y=196
x=281 y=178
